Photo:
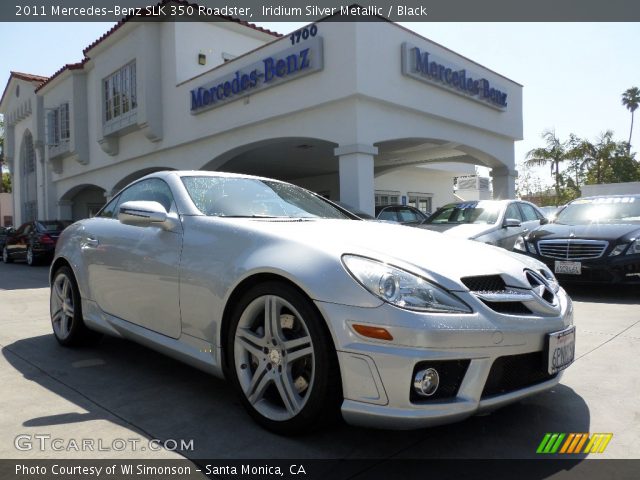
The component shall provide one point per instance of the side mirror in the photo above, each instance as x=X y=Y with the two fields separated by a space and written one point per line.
x=143 y=214
x=544 y=221
x=511 y=222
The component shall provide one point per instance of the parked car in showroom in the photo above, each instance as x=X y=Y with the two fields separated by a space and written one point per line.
x=402 y=214
x=592 y=240
x=308 y=310
x=33 y=242
x=496 y=222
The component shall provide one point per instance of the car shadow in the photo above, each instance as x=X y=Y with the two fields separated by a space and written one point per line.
x=160 y=398
x=620 y=294
x=19 y=275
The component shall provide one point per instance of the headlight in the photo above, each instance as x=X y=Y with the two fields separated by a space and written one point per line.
x=618 y=250
x=400 y=288
x=634 y=248
x=519 y=245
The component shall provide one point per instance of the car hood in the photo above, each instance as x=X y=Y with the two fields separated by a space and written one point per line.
x=464 y=230
x=439 y=257
x=594 y=231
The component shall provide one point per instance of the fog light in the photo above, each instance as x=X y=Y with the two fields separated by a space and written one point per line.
x=426 y=382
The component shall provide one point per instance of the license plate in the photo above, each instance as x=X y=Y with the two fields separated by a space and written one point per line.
x=561 y=348
x=568 y=268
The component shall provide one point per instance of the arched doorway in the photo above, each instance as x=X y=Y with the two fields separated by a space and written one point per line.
x=82 y=201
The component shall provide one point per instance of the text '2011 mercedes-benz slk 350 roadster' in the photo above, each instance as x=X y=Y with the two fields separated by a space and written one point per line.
x=307 y=310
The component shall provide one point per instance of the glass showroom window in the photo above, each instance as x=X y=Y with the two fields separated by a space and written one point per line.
x=120 y=92
x=58 y=125
x=387 y=198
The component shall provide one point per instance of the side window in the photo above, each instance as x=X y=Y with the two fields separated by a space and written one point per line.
x=109 y=211
x=513 y=212
x=27 y=229
x=407 y=215
x=151 y=190
x=528 y=212
x=388 y=214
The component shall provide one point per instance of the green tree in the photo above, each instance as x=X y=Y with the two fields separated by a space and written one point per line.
x=6 y=183
x=631 y=99
x=596 y=156
x=553 y=154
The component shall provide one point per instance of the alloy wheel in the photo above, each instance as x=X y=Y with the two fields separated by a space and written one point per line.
x=62 y=306
x=274 y=357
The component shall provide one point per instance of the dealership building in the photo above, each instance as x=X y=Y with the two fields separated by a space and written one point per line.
x=363 y=112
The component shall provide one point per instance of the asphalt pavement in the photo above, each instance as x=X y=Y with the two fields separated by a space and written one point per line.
x=118 y=392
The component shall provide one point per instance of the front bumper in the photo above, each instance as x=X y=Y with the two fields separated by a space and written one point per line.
x=377 y=375
x=613 y=270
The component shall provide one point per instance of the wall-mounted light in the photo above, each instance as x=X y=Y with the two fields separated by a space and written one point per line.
x=202 y=59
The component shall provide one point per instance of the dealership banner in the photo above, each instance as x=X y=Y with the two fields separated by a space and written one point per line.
x=296 y=469
x=336 y=10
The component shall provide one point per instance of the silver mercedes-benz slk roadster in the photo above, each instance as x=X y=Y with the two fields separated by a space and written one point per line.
x=307 y=310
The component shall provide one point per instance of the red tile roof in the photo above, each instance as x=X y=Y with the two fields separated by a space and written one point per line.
x=69 y=66
x=28 y=77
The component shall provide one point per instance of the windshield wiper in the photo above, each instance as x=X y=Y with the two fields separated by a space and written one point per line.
x=252 y=216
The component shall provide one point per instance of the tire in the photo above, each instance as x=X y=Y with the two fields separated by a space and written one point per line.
x=65 y=307
x=6 y=258
x=289 y=382
x=31 y=258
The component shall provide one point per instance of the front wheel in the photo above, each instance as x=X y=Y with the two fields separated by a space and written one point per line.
x=282 y=361
x=66 y=311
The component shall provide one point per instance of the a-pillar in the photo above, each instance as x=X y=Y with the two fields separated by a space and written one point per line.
x=504 y=183
x=355 y=169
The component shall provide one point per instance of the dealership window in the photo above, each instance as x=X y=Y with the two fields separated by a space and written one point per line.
x=421 y=201
x=119 y=93
x=387 y=198
x=58 y=125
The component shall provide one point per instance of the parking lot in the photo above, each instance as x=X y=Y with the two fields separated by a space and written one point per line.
x=119 y=390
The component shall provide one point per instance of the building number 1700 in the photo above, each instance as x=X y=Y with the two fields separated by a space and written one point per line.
x=303 y=34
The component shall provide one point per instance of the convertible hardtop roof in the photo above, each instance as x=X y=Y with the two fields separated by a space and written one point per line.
x=205 y=173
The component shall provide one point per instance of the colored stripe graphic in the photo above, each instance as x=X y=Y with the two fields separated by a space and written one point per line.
x=564 y=443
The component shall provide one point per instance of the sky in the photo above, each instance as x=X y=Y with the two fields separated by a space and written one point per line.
x=573 y=74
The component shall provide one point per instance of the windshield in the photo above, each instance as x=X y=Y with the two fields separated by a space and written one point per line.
x=254 y=198
x=471 y=212
x=601 y=210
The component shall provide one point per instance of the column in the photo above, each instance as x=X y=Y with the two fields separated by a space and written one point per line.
x=355 y=168
x=504 y=183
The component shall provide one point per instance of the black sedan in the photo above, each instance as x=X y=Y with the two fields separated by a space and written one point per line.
x=33 y=242
x=592 y=240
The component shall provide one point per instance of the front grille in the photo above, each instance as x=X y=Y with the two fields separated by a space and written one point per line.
x=570 y=249
x=513 y=372
x=484 y=283
x=451 y=373
x=508 y=308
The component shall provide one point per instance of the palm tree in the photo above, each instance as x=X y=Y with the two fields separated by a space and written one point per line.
x=631 y=99
x=554 y=153
x=597 y=156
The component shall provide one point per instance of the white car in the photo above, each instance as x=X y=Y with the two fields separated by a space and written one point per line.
x=307 y=310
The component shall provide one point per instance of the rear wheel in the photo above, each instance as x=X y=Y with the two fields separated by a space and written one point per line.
x=31 y=258
x=282 y=361
x=6 y=258
x=66 y=311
